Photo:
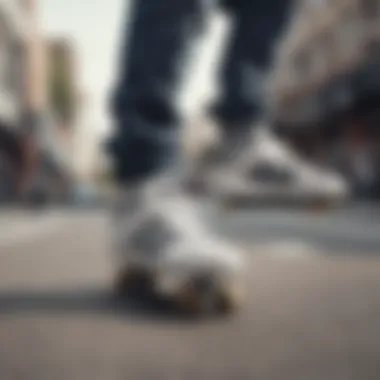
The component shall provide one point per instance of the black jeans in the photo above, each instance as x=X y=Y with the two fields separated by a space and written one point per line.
x=159 y=36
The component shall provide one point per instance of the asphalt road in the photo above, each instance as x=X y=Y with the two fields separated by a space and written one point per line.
x=350 y=231
x=312 y=312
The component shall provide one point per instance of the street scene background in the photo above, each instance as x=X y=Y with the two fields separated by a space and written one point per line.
x=313 y=274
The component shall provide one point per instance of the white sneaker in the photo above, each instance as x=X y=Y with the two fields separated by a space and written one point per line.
x=271 y=173
x=162 y=243
x=259 y=168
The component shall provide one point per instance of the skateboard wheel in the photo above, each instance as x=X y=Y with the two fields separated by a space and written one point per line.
x=206 y=297
x=231 y=298
x=133 y=281
x=198 y=297
x=321 y=206
x=187 y=301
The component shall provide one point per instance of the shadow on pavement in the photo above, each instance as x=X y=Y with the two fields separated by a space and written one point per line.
x=88 y=301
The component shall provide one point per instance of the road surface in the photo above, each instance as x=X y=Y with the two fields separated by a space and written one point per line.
x=312 y=311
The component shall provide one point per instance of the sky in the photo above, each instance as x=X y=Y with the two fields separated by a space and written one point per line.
x=95 y=26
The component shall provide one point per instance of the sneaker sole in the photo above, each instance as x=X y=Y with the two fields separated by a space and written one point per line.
x=198 y=296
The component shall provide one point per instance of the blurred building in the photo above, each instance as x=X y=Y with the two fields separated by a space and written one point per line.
x=59 y=122
x=38 y=100
x=14 y=41
x=12 y=46
x=35 y=61
x=329 y=57
x=63 y=95
x=325 y=89
x=23 y=93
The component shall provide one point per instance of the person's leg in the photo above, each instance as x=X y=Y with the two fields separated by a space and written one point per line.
x=144 y=105
x=158 y=229
x=257 y=26
x=250 y=161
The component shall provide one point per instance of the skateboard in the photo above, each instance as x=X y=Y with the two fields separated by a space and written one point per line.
x=195 y=293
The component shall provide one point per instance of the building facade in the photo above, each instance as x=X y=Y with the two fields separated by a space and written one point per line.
x=325 y=88
x=13 y=43
x=13 y=71
x=328 y=57
x=30 y=145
